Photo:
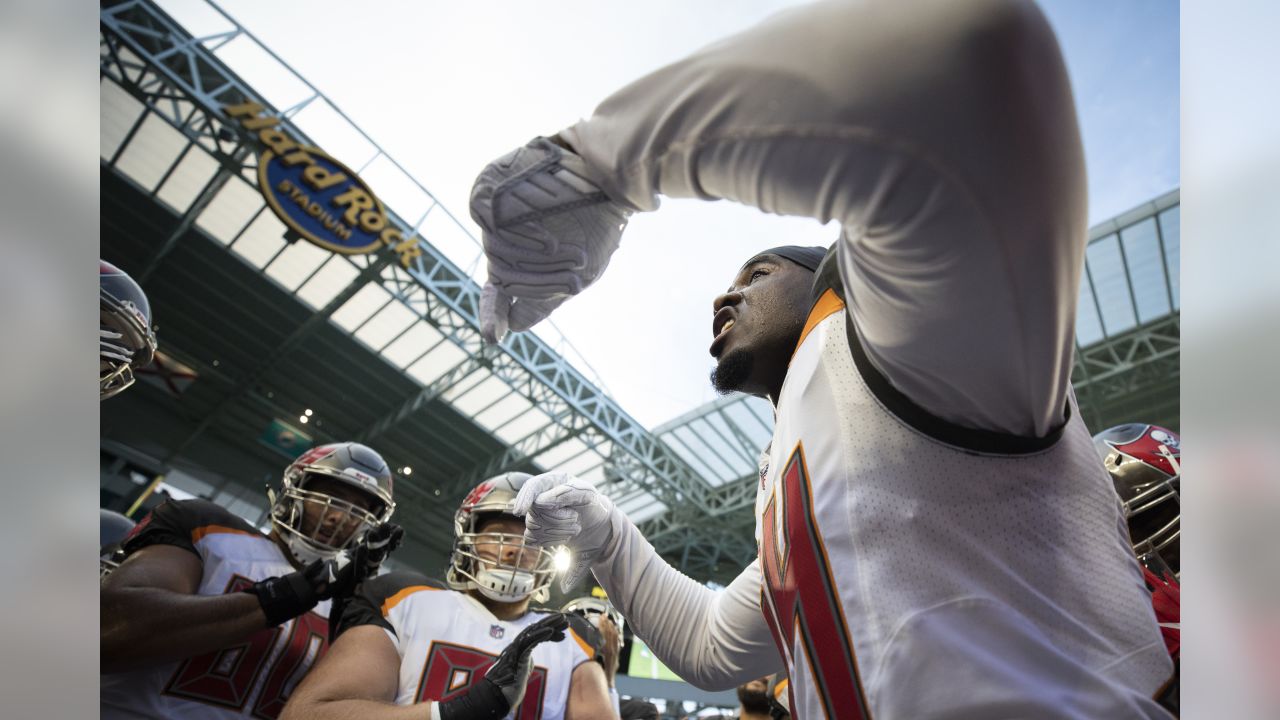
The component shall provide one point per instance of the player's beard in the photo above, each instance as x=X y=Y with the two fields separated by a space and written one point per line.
x=753 y=701
x=732 y=372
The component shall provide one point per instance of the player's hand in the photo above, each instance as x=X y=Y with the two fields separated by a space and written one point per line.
x=289 y=596
x=548 y=233
x=560 y=509
x=503 y=686
x=337 y=577
x=612 y=646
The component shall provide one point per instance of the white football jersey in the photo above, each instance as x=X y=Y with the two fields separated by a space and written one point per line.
x=253 y=679
x=908 y=562
x=447 y=640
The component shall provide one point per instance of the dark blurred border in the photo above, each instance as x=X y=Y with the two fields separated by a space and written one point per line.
x=48 y=219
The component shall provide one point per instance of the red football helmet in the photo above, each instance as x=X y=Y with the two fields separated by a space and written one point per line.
x=1144 y=462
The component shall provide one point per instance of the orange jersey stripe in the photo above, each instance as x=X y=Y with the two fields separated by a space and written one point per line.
x=200 y=532
x=586 y=648
x=394 y=600
x=829 y=304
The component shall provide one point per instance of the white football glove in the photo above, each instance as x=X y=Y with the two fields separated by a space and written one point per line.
x=548 y=233
x=560 y=509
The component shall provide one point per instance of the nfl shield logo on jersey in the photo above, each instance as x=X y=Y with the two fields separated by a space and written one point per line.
x=496 y=631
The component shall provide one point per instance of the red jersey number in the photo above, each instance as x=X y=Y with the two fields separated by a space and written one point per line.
x=800 y=593
x=227 y=677
x=451 y=669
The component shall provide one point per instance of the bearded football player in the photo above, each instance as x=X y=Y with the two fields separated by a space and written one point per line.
x=936 y=536
x=208 y=617
x=408 y=647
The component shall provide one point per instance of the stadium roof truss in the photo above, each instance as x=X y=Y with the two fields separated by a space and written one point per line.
x=1128 y=320
x=162 y=128
x=690 y=483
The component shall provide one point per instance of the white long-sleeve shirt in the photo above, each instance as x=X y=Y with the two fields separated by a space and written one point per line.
x=938 y=538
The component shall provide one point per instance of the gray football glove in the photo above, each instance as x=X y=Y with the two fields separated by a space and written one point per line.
x=548 y=233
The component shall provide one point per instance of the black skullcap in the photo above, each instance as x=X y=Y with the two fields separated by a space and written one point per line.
x=806 y=257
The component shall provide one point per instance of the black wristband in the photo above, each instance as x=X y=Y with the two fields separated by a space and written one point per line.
x=284 y=598
x=484 y=701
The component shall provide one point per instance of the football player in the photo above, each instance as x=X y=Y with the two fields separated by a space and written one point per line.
x=1145 y=464
x=608 y=623
x=126 y=340
x=208 y=617
x=407 y=647
x=936 y=538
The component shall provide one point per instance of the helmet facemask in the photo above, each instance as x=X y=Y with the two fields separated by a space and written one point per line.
x=499 y=564
x=1144 y=464
x=316 y=521
x=593 y=609
x=1154 y=519
x=125 y=341
x=317 y=525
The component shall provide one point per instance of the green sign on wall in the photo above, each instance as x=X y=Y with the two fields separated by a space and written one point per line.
x=285 y=439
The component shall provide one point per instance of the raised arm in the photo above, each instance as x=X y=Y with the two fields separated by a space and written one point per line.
x=941 y=136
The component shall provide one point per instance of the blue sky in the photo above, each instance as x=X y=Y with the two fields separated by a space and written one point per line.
x=446 y=87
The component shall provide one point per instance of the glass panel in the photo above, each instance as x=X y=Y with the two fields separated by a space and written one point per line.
x=437 y=362
x=118 y=111
x=230 y=209
x=1088 y=327
x=1146 y=269
x=412 y=345
x=386 y=325
x=336 y=274
x=151 y=152
x=684 y=443
x=185 y=183
x=478 y=397
x=505 y=409
x=368 y=300
x=261 y=240
x=518 y=428
x=296 y=263
x=1171 y=229
x=1112 y=286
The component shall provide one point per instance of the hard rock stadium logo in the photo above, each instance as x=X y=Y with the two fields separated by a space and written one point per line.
x=318 y=197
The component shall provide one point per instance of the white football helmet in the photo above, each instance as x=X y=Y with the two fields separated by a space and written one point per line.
x=592 y=608
x=509 y=571
x=352 y=464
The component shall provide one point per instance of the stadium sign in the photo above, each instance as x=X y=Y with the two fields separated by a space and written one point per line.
x=316 y=196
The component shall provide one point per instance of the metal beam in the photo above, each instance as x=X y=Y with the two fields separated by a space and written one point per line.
x=451 y=377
